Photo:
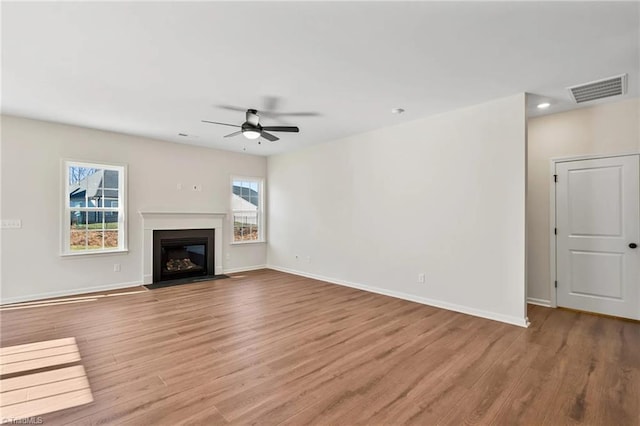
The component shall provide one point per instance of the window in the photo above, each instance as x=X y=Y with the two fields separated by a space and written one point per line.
x=94 y=213
x=246 y=209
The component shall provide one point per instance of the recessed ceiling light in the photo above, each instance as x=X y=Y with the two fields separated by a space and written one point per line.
x=397 y=110
x=544 y=105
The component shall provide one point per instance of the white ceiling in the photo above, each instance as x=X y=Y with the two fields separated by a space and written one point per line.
x=157 y=69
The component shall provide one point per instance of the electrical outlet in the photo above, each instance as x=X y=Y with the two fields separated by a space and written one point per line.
x=11 y=224
x=197 y=188
x=421 y=277
x=116 y=267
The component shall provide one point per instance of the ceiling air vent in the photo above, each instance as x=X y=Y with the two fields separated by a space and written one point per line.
x=605 y=88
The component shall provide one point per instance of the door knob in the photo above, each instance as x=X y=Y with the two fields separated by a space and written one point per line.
x=633 y=245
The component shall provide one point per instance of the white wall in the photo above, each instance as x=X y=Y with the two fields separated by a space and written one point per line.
x=31 y=191
x=340 y=207
x=611 y=128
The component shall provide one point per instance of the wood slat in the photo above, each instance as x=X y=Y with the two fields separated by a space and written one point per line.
x=34 y=364
x=43 y=391
x=37 y=346
x=37 y=354
x=36 y=379
x=46 y=405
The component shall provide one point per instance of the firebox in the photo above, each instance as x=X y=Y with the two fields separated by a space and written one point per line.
x=182 y=254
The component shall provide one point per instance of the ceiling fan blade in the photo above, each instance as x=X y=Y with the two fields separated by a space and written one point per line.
x=230 y=135
x=276 y=114
x=223 y=124
x=292 y=129
x=232 y=108
x=271 y=103
x=269 y=136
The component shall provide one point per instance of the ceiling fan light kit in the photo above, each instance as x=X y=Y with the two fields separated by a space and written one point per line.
x=250 y=134
x=252 y=129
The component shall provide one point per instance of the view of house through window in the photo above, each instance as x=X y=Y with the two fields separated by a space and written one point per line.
x=246 y=209
x=94 y=207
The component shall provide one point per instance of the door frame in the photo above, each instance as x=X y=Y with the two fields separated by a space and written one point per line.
x=553 y=301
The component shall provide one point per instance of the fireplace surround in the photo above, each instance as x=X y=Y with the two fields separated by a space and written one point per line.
x=161 y=220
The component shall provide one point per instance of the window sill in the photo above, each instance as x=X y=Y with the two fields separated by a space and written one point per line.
x=95 y=253
x=241 y=243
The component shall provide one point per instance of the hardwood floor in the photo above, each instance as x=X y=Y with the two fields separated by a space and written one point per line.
x=271 y=348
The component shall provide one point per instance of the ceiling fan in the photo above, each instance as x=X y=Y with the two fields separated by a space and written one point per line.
x=252 y=129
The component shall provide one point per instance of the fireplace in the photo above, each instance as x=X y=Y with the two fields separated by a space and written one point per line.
x=183 y=254
x=153 y=221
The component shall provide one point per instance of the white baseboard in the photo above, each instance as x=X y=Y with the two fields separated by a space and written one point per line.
x=521 y=322
x=244 y=269
x=71 y=292
x=78 y=291
x=539 y=302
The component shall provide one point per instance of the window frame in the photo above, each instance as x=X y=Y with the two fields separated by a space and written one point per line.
x=65 y=231
x=260 y=211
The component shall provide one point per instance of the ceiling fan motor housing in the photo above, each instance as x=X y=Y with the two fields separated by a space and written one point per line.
x=248 y=126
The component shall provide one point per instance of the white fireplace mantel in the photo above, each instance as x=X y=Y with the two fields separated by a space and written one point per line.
x=162 y=220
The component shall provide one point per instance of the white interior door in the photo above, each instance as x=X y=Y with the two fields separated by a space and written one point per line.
x=598 y=225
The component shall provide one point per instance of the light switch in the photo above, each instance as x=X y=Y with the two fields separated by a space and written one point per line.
x=11 y=224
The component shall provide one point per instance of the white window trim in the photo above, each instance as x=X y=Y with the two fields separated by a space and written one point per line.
x=261 y=210
x=65 y=235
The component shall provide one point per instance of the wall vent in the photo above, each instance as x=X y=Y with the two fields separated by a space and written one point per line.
x=605 y=88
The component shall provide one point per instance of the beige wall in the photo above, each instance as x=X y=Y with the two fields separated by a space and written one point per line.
x=605 y=129
x=31 y=191
x=338 y=210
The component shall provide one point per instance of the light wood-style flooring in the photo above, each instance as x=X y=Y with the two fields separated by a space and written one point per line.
x=266 y=347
